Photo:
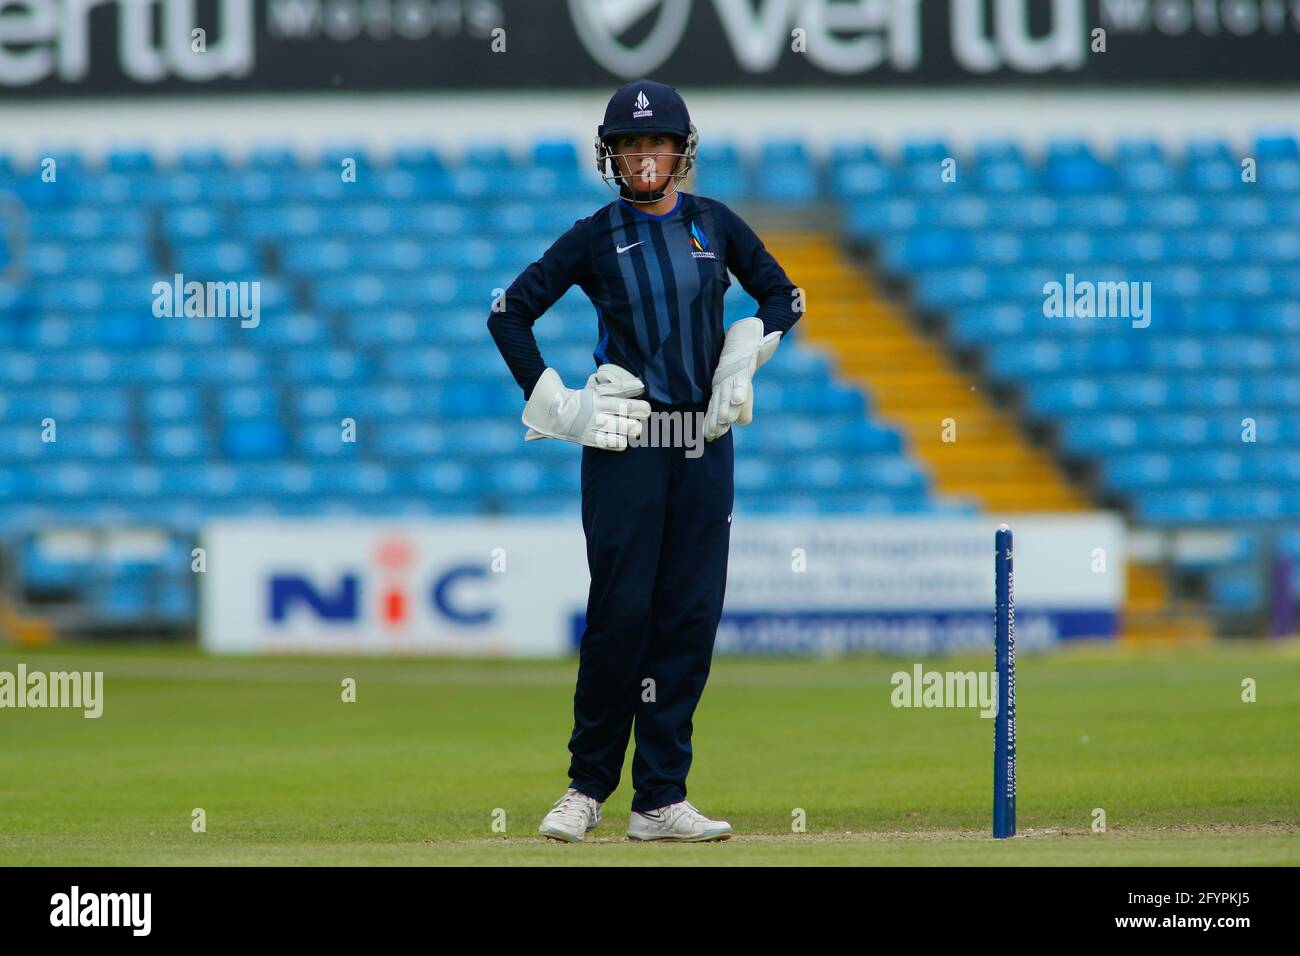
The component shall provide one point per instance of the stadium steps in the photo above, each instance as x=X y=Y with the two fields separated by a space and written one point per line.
x=1150 y=616
x=23 y=629
x=914 y=387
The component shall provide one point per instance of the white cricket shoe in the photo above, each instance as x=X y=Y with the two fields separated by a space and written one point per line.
x=677 y=821
x=571 y=817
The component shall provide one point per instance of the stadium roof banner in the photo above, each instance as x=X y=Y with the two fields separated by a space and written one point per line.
x=97 y=47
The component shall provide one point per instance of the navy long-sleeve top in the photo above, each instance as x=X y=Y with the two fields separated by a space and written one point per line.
x=657 y=283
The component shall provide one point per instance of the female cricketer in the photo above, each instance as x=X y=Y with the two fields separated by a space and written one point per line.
x=656 y=514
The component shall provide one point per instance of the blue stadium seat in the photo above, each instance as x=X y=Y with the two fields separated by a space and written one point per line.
x=251 y=439
x=1279 y=145
x=560 y=155
x=201 y=159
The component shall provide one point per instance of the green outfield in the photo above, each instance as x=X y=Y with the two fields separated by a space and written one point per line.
x=434 y=758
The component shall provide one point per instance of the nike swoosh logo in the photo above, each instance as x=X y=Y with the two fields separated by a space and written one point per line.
x=623 y=249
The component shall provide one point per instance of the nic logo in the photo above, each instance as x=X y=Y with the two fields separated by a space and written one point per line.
x=383 y=592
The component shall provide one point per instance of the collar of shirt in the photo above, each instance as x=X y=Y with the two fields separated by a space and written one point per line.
x=650 y=215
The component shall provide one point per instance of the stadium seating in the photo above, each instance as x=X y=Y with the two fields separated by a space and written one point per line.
x=1187 y=416
x=374 y=296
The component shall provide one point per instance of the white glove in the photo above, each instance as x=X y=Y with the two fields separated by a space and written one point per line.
x=743 y=350
x=601 y=415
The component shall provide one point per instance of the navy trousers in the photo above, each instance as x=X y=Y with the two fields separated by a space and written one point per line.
x=658 y=526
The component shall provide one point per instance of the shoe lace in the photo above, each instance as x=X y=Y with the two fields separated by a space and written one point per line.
x=574 y=807
x=684 y=809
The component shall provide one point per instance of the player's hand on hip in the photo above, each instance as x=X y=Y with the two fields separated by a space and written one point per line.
x=744 y=350
x=603 y=414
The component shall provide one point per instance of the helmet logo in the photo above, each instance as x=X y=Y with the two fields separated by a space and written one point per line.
x=642 y=107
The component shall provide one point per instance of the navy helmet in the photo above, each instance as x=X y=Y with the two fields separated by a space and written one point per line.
x=644 y=106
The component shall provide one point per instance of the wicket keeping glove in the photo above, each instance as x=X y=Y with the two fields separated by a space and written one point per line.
x=732 y=401
x=604 y=414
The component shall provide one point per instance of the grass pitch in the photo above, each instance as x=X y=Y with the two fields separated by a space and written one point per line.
x=435 y=757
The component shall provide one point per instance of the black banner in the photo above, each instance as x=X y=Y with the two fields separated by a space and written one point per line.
x=97 y=47
x=1228 y=907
